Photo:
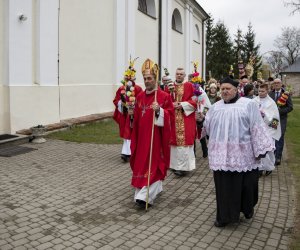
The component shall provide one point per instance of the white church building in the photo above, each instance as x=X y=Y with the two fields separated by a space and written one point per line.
x=62 y=59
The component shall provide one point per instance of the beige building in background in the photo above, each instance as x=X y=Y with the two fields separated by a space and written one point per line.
x=291 y=76
x=62 y=59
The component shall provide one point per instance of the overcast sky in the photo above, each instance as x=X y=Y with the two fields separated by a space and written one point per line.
x=267 y=17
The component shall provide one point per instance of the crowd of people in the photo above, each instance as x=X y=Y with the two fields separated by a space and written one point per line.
x=240 y=126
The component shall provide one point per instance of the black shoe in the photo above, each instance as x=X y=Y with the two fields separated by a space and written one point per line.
x=268 y=173
x=250 y=215
x=277 y=162
x=125 y=158
x=219 y=224
x=142 y=204
x=205 y=155
x=179 y=173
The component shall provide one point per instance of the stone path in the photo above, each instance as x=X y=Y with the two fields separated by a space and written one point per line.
x=78 y=196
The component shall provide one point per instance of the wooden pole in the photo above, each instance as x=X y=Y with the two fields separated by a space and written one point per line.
x=151 y=147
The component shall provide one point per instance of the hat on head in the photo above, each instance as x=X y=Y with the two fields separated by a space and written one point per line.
x=230 y=81
x=150 y=68
x=248 y=88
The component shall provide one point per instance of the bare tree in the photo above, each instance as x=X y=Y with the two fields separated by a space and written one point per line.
x=275 y=60
x=295 y=4
x=288 y=44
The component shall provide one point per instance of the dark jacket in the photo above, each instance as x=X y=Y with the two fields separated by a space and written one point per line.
x=284 y=110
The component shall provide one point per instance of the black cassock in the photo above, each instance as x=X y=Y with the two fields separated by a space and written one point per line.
x=235 y=192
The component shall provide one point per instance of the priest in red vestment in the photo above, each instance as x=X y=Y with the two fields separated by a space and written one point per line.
x=183 y=125
x=124 y=102
x=152 y=105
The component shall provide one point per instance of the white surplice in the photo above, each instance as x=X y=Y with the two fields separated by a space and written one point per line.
x=269 y=110
x=237 y=136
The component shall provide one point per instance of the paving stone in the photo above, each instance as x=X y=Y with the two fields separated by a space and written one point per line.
x=78 y=246
x=20 y=242
x=78 y=196
x=97 y=236
x=89 y=248
x=46 y=245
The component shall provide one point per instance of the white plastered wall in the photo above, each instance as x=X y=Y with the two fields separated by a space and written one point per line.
x=2 y=41
x=146 y=38
x=178 y=43
x=31 y=73
x=4 y=94
x=86 y=53
x=31 y=106
x=197 y=47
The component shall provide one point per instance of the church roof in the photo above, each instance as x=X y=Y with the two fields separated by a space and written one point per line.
x=204 y=13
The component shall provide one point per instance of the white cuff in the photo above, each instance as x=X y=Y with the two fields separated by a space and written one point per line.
x=120 y=107
x=160 y=120
x=187 y=108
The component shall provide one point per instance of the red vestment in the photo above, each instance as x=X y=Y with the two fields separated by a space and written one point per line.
x=183 y=127
x=141 y=139
x=123 y=119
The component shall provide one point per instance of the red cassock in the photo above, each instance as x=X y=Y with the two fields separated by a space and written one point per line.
x=184 y=127
x=141 y=139
x=123 y=119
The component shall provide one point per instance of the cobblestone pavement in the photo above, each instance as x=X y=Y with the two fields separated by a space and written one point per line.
x=78 y=196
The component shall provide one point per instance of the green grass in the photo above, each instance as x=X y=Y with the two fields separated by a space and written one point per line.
x=292 y=139
x=102 y=132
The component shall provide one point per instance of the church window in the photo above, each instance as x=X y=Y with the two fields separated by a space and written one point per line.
x=176 y=21
x=197 y=34
x=147 y=7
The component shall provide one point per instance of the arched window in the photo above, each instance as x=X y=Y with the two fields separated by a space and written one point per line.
x=197 y=34
x=176 y=21
x=147 y=7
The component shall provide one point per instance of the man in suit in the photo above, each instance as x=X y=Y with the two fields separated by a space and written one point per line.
x=285 y=105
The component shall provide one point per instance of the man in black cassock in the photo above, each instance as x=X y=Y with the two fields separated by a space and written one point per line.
x=238 y=139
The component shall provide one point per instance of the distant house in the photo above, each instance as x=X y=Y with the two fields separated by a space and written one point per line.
x=291 y=76
x=62 y=59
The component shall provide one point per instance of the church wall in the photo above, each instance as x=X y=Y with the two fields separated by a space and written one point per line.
x=3 y=90
x=30 y=62
x=31 y=106
x=86 y=54
x=197 y=46
x=94 y=40
x=2 y=41
x=146 y=39
x=178 y=43
x=4 y=109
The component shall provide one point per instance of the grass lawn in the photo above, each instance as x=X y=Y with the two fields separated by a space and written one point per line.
x=102 y=132
x=292 y=140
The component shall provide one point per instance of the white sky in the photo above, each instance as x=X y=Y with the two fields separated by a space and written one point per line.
x=267 y=17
